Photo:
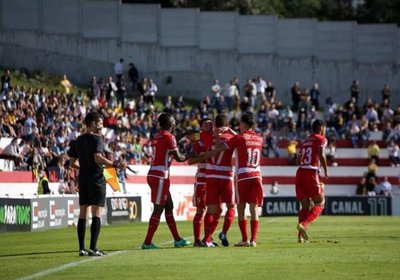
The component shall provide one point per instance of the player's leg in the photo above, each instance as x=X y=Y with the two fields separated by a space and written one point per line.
x=242 y=225
x=212 y=202
x=254 y=224
x=95 y=228
x=316 y=210
x=81 y=229
x=227 y=196
x=302 y=236
x=158 y=197
x=199 y=201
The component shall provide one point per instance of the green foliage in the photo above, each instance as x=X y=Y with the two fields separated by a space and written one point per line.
x=342 y=248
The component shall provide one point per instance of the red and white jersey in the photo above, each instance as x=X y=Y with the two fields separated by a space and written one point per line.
x=199 y=148
x=309 y=157
x=164 y=142
x=249 y=149
x=220 y=166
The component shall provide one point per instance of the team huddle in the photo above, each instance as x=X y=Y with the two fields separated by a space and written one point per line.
x=217 y=181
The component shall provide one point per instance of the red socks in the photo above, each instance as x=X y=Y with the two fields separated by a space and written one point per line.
x=153 y=225
x=254 y=230
x=169 y=217
x=313 y=214
x=303 y=215
x=208 y=225
x=243 y=230
x=197 y=222
x=229 y=217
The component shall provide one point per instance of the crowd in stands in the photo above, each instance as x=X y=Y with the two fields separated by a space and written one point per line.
x=43 y=123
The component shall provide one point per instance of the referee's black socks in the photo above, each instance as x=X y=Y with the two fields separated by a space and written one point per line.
x=95 y=231
x=81 y=229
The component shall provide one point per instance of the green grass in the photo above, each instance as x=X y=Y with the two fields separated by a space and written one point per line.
x=342 y=248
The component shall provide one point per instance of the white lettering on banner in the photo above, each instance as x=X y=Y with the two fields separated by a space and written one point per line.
x=281 y=207
x=347 y=207
x=119 y=203
x=52 y=209
x=70 y=205
x=35 y=211
x=11 y=215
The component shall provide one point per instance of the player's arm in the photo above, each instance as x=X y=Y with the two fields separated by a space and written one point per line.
x=202 y=157
x=178 y=156
x=322 y=160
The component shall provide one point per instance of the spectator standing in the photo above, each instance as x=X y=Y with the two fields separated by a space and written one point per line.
x=121 y=92
x=314 y=94
x=386 y=93
x=296 y=93
x=330 y=153
x=394 y=153
x=66 y=84
x=373 y=151
x=5 y=81
x=362 y=187
x=371 y=186
x=355 y=90
x=151 y=92
x=119 y=69
x=133 y=74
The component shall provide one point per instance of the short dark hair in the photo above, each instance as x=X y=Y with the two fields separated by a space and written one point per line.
x=221 y=120
x=317 y=124
x=204 y=120
x=249 y=119
x=164 y=120
x=92 y=117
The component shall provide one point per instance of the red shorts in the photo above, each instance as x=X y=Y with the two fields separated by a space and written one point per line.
x=219 y=191
x=308 y=184
x=249 y=191
x=199 y=195
x=159 y=189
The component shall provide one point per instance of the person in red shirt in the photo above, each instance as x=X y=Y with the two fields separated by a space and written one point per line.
x=308 y=184
x=164 y=146
x=199 y=147
x=249 y=182
x=219 y=185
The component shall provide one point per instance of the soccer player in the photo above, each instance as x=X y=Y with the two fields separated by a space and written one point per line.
x=199 y=195
x=87 y=154
x=219 y=187
x=308 y=185
x=164 y=145
x=249 y=182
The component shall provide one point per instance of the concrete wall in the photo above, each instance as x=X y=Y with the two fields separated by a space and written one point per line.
x=85 y=37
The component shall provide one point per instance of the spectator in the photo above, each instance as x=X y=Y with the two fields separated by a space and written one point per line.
x=394 y=153
x=151 y=92
x=270 y=141
x=355 y=90
x=133 y=74
x=121 y=92
x=274 y=188
x=373 y=151
x=232 y=94
x=372 y=168
x=314 y=94
x=5 y=81
x=66 y=84
x=362 y=187
x=216 y=89
x=292 y=152
x=270 y=92
x=12 y=152
x=296 y=92
x=111 y=89
x=384 y=188
x=371 y=186
x=43 y=184
x=386 y=93
x=119 y=69
x=330 y=153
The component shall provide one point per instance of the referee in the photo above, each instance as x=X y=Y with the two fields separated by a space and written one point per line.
x=87 y=154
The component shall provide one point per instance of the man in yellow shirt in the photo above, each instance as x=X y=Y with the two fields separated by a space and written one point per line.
x=66 y=85
x=373 y=151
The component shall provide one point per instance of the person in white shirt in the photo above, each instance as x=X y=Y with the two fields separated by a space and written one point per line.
x=119 y=69
x=394 y=153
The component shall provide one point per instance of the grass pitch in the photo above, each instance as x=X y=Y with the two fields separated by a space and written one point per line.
x=342 y=248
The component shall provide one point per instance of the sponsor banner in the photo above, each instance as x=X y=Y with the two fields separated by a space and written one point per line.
x=334 y=205
x=15 y=214
x=359 y=205
x=124 y=209
x=280 y=206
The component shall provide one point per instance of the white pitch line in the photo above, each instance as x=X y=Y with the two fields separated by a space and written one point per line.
x=73 y=264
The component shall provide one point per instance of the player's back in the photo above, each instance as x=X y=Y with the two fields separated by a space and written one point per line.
x=249 y=150
x=309 y=152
